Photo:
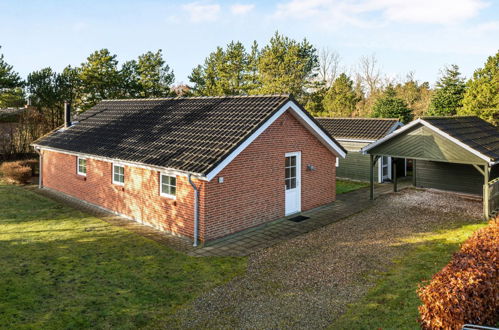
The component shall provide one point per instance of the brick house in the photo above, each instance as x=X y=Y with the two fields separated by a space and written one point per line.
x=199 y=167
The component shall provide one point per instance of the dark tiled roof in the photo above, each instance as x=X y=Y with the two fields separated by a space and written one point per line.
x=472 y=131
x=358 y=128
x=187 y=134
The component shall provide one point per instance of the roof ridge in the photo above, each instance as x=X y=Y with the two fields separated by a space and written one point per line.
x=358 y=118
x=446 y=117
x=200 y=97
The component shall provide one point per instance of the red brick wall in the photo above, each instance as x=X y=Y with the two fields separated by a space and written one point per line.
x=253 y=189
x=139 y=198
x=252 y=192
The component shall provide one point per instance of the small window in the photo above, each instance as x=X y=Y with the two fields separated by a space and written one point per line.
x=118 y=174
x=82 y=166
x=168 y=186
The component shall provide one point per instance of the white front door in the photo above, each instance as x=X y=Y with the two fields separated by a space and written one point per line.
x=292 y=183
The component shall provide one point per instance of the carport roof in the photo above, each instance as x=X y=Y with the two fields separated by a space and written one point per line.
x=472 y=133
x=359 y=128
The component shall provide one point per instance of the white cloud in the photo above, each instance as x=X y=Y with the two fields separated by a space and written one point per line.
x=240 y=9
x=337 y=12
x=202 y=11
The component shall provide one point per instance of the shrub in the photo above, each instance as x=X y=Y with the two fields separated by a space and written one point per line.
x=467 y=289
x=16 y=172
x=33 y=164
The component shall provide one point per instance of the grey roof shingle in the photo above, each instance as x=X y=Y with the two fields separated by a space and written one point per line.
x=358 y=128
x=187 y=134
x=472 y=131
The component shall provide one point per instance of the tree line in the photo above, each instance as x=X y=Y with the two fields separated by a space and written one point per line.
x=284 y=65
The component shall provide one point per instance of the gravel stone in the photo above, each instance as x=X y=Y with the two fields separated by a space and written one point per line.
x=308 y=281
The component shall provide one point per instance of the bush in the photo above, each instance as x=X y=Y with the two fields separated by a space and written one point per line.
x=17 y=172
x=467 y=289
x=33 y=164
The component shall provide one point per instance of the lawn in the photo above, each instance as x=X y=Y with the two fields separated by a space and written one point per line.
x=344 y=186
x=61 y=268
x=392 y=303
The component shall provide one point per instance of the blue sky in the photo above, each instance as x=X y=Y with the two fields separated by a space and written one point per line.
x=406 y=35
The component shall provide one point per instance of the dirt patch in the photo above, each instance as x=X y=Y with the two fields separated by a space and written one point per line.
x=308 y=281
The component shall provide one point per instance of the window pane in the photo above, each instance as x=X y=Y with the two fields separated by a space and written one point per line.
x=287 y=162
x=293 y=160
x=288 y=184
x=288 y=172
x=173 y=181
x=293 y=172
x=293 y=183
x=173 y=190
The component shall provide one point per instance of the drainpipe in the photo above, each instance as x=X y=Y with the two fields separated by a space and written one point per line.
x=40 y=171
x=196 y=210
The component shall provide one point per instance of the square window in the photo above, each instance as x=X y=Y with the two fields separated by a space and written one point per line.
x=118 y=174
x=81 y=166
x=168 y=186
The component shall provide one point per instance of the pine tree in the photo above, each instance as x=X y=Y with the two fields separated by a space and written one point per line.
x=340 y=99
x=11 y=92
x=390 y=106
x=449 y=93
x=482 y=95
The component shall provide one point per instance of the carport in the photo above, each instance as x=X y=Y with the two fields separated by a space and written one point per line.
x=458 y=154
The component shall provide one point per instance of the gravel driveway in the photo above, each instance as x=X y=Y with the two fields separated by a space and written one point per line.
x=307 y=282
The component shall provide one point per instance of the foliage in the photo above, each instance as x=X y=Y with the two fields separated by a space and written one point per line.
x=467 y=289
x=154 y=76
x=392 y=303
x=228 y=71
x=482 y=95
x=62 y=268
x=449 y=92
x=286 y=66
x=344 y=186
x=100 y=78
x=390 y=106
x=417 y=95
x=340 y=99
x=11 y=93
x=16 y=172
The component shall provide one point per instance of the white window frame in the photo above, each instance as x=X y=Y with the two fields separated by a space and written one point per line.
x=161 y=193
x=118 y=182
x=78 y=166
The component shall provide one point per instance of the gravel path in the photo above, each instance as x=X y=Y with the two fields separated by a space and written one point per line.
x=308 y=281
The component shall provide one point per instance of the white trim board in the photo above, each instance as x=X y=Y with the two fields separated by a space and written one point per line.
x=300 y=116
x=433 y=128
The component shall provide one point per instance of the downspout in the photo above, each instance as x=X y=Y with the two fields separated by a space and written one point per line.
x=196 y=210
x=40 y=171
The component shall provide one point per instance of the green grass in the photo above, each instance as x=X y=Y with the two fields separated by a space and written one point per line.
x=344 y=186
x=60 y=268
x=393 y=303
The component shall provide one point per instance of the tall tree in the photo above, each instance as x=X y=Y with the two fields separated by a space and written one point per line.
x=390 y=106
x=100 y=78
x=287 y=66
x=11 y=93
x=154 y=76
x=225 y=71
x=448 y=94
x=417 y=95
x=340 y=99
x=43 y=90
x=482 y=96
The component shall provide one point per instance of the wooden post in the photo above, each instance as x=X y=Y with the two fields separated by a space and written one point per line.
x=486 y=210
x=371 y=178
x=394 y=174
x=414 y=182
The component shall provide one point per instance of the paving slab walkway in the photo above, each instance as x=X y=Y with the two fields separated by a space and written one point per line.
x=248 y=241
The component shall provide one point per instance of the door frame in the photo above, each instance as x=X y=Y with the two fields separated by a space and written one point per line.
x=298 y=181
x=381 y=179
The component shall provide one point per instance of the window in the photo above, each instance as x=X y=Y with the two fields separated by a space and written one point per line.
x=118 y=174
x=290 y=172
x=168 y=186
x=81 y=166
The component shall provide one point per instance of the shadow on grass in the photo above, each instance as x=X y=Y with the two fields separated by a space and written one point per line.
x=61 y=268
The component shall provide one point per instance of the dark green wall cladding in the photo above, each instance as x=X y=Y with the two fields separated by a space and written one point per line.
x=355 y=166
x=449 y=176
x=422 y=143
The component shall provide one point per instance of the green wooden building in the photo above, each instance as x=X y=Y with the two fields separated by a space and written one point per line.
x=459 y=154
x=354 y=134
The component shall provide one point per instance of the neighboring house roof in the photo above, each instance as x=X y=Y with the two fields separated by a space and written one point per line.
x=369 y=129
x=472 y=133
x=11 y=115
x=198 y=135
